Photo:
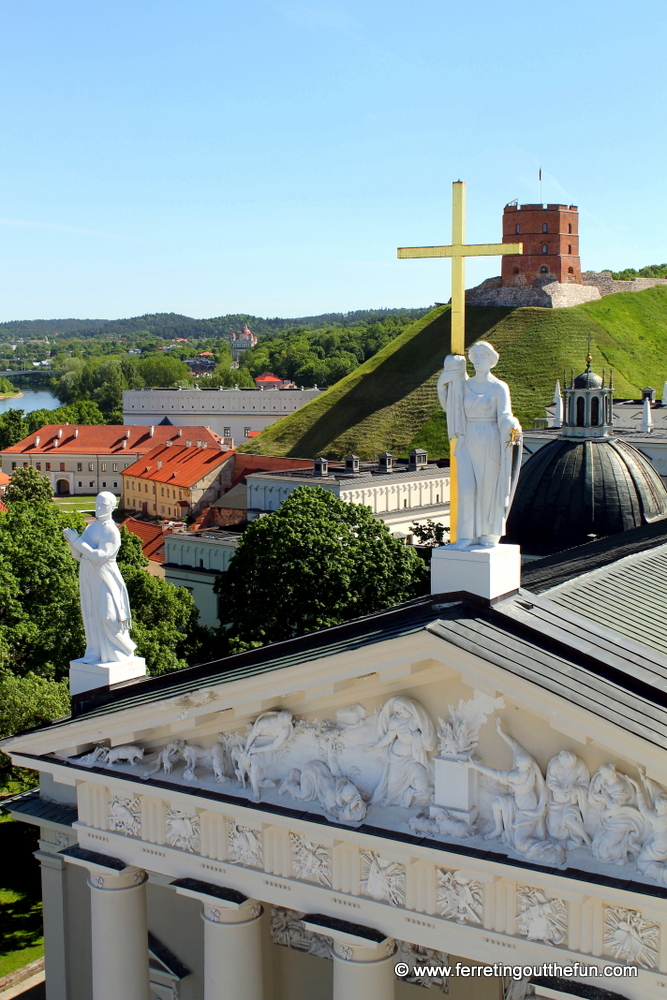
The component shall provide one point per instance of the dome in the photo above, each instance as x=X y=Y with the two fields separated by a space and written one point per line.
x=574 y=488
x=588 y=380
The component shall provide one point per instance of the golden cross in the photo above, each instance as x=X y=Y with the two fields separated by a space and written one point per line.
x=458 y=252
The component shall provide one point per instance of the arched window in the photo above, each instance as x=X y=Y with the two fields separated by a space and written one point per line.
x=569 y=227
x=595 y=411
x=569 y=249
x=545 y=248
x=545 y=228
x=570 y=270
x=580 y=411
x=517 y=228
x=543 y=270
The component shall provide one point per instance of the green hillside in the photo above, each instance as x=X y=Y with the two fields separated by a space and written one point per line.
x=390 y=404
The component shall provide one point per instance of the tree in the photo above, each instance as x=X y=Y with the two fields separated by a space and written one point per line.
x=161 y=370
x=430 y=533
x=13 y=428
x=28 y=485
x=83 y=411
x=26 y=702
x=6 y=387
x=316 y=561
x=130 y=553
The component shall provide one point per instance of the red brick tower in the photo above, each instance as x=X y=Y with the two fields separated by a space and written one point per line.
x=550 y=237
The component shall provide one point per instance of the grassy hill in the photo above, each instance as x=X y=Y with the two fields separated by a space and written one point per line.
x=389 y=403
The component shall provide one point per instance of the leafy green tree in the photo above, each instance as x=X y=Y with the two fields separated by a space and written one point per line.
x=430 y=532
x=13 y=428
x=28 y=485
x=162 y=370
x=226 y=377
x=26 y=702
x=130 y=553
x=83 y=411
x=316 y=561
x=6 y=387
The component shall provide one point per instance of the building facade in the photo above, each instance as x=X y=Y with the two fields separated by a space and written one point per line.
x=177 y=480
x=231 y=413
x=194 y=560
x=84 y=459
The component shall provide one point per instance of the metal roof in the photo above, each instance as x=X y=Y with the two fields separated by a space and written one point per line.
x=30 y=804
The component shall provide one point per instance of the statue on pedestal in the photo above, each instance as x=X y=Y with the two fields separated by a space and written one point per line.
x=105 y=606
x=488 y=445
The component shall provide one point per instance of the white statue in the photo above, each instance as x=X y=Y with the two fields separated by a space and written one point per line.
x=488 y=444
x=268 y=733
x=620 y=825
x=105 y=606
x=520 y=813
x=567 y=781
x=652 y=804
x=404 y=727
x=338 y=796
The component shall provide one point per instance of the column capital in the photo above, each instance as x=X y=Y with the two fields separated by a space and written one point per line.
x=352 y=942
x=221 y=905
x=105 y=872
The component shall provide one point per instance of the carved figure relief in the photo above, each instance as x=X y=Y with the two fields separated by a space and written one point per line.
x=311 y=861
x=182 y=829
x=520 y=813
x=287 y=930
x=112 y=755
x=340 y=799
x=382 y=879
x=567 y=781
x=540 y=917
x=245 y=845
x=414 y=955
x=620 y=825
x=440 y=823
x=652 y=804
x=459 y=898
x=406 y=730
x=125 y=815
x=630 y=938
x=212 y=759
x=267 y=734
x=518 y=989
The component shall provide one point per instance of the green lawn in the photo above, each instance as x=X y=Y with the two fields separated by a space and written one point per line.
x=21 y=939
x=73 y=503
x=389 y=403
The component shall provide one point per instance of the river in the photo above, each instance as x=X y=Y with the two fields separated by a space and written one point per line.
x=32 y=399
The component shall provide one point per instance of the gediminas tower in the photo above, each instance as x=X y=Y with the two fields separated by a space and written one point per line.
x=550 y=237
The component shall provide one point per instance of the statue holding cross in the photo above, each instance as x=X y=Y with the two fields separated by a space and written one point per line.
x=485 y=436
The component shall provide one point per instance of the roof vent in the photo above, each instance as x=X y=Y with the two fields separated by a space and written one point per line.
x=418 y=460
x=37 y=440
x=179 y=432
x=649 y=394
x=127 y=432
x=76 y=432
x=124 y=444
x=159 y=463
x=56 y=442
x=352 y=463
x=321 y=467
x=168 y=444
x=60 y=433
x=151 y=430
x=188 y=444
x=385 y=462
x=204 y=444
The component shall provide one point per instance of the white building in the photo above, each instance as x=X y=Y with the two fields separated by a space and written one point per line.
x=193 y=559
x=231 y=413
x=182 y=857
x=398 y=494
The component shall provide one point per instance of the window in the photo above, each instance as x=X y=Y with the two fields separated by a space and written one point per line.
x=162 y=491
x=246 y=430
x=226 y=432
x=162 y=510
x=103 y=467
x=543 y=270
x=62 y=466
x=47 y=466
x=91 y=467
x=38 y=466
x=570 y=270
x=580 y=411
x=405 y=503
x=545 y=228
x=517 y=228
x=569 y=227
x=79 y=467
x=115 y=485
x=146 y=488
x=545 y=248
x=437 y=498
x=104 y=486
x=569 y=248
x=25 y=465
x=79 y=484
x=114 y=467
x=91 y=485
x=595 y=411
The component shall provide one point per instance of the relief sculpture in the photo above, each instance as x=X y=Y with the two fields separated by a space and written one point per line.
x=406 y=730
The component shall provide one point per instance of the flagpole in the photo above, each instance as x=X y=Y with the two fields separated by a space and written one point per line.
x=540 y=185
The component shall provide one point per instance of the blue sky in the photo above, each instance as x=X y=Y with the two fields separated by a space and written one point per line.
x=210 y=156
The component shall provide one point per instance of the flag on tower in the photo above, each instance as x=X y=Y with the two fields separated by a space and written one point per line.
x=540 y=173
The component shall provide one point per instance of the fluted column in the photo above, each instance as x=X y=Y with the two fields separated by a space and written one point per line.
x=119 y=936
x=233 y=952
x=363 y=958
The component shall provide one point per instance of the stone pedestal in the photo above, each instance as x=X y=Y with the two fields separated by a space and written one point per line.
x=119 y=936
x=487 y=573
x=455 y=788
x=233 y=952
x=87 y=676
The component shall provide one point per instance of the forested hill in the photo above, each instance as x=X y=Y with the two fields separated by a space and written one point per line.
x=389 y=403
x=172 y=325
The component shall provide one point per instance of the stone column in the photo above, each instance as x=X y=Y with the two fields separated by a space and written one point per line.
x=55 y=924
x=119 y=936
x=363 y=958
x=232 y=952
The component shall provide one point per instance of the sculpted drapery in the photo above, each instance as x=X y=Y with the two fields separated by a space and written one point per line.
x=488 y=444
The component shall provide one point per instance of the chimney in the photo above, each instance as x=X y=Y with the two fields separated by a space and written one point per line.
x=179 y=432
x=151 y=431
x=168 y=444
x=124 y=443
x=321 y=467
x=352 y=463
x=37 y=440
x=649 y=394
x=127 y=433
x=76 y=432
x=647 y=414
x=188 y=444
x=159 y=463
x=56 y=442
x=418 y=460
x=60 y=433
x=385 y=462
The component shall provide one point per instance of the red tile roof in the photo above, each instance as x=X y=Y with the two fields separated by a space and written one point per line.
x=178 y=466
x=96 y=439
x=245 y=464
x=4 y=479
x=151 y=536
x=3 y=508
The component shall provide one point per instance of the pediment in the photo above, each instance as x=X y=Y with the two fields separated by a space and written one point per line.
x=398 y=735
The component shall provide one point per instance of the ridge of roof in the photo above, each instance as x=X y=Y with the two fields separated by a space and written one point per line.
x=106 y=438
